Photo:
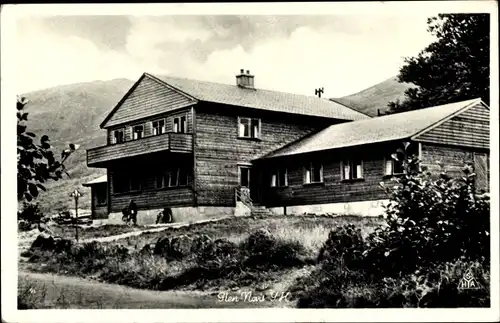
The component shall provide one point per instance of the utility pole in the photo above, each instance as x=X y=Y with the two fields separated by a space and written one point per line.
x=76 y=194
x=319 y=91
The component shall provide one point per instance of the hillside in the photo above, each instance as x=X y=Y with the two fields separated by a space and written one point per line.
x=72 y=114
x=375 y=97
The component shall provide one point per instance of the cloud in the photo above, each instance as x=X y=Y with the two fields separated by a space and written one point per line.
x=297 y=54
x=48 y=59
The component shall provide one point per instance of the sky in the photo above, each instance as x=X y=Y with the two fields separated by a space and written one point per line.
x=344 y=53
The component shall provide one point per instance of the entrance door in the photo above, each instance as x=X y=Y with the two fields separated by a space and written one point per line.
x=244 y=174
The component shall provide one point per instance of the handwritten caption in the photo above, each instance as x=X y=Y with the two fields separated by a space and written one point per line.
x=252 y=297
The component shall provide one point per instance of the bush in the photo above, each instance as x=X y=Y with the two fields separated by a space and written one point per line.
x=264 y=251
x=434 y=287
x=30 y=214
x=430 y=221
x=343 y=248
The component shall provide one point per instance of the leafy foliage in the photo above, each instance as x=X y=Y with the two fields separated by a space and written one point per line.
x=29 y=214
x=36 y=163
x=430 y=221
x=453 y=68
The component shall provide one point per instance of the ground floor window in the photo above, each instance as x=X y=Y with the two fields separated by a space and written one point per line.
x=313 y=173
x=123 y=183
x=393 y=166
x=352 y=169
x=101 y=194
x=173 y=177
x=279 y=177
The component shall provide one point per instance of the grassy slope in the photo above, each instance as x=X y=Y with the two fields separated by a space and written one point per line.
x=376 y=97
x=72 y=114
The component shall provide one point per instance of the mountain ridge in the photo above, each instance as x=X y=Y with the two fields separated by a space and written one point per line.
x=375 y=97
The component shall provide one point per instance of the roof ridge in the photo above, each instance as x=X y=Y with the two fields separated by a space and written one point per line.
x=259 y=89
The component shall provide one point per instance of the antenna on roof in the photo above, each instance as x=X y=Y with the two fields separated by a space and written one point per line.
x=319 y=91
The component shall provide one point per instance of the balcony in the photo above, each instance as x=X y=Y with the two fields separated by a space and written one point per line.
x=171 y=142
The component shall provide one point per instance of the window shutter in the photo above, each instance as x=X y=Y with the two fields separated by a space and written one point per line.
x=388 y=167
x=359 y=170
x=273 y=180
x=307 y=176
x=347 y=170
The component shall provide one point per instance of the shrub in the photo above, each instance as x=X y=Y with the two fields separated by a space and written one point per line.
x=29 y=214
x=343 y=248
x=434 y=287
x=430 y=221
x=264 y=251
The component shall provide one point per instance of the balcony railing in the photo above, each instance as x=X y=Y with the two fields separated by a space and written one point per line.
x=173 y=142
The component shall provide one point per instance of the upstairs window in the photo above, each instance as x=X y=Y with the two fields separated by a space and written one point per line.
x=352 y=169
x=180 y=124
x=118 y=136
x=393 y=167
x=313 y=173
x=248 y=128
x=279 y=177
x=137 y=132
x=158 y=127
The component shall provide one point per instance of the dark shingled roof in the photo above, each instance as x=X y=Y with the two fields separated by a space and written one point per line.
x=261 y=99
x=380 y=129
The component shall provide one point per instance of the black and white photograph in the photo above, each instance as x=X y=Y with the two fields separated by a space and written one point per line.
x=339 y=159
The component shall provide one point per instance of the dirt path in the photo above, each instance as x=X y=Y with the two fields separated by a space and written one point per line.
x=54 y=291
x=154 y=228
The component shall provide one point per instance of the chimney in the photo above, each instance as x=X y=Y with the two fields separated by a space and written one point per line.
x=245 y=80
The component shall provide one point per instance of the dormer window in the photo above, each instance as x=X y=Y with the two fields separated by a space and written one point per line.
x=158 y=127
x=248 y=128
x=138 y=132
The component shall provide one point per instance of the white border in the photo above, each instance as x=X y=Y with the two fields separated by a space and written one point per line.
x=9 y=203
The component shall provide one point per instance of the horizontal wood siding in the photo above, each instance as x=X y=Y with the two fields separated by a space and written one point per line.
x=150 y=197
x=219 y=151
x=175 y=141
x=333 y=189
x=452 y=158
x=470 y=128
x=147 y=99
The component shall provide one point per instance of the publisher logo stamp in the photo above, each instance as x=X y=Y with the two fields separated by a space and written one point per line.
x=468 y=281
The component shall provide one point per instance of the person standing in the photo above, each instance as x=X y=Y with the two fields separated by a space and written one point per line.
x=132 y=210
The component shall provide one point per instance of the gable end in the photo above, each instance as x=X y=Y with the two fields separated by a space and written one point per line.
x=146 y=98
x=469 y=127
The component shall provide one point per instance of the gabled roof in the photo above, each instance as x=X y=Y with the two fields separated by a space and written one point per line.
x=98 y=180
x=261 y=99
x=380 y=129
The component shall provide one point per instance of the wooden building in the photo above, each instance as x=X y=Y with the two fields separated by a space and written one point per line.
x=340 y=168
x=98 y=197
x=207 y=149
